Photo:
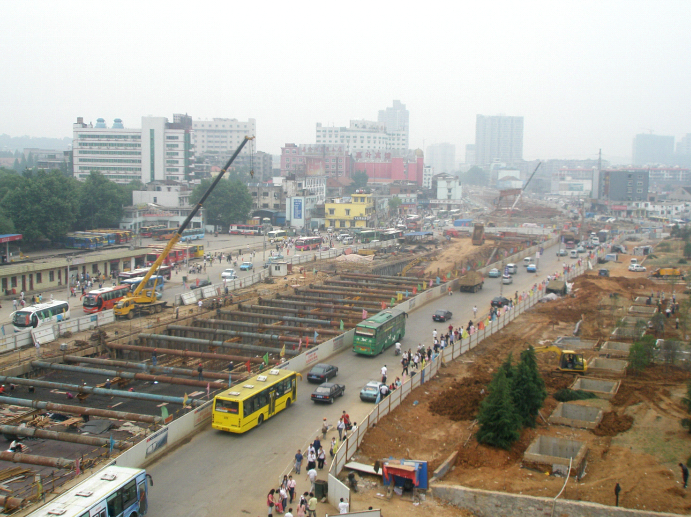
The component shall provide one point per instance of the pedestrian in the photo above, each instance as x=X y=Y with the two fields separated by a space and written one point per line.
x=474 y=311
x=291 y=488
x=434 y=334
x=200 y=305
x=14 y=303
x=311 y=459
x=154 y=358
x=617 y=489
x=325 y=428
x=333 y=447
x=200 y=370
x=270 y=502
x=383 y=373
x=340 y=427
x=321 y=458
x=312 y=477
x=343 y=507
x=298 y=461
x=284 y=497
x=289 y=513
x=684 y=474
x=312 y=505
x=404 y=363
x=38 y=349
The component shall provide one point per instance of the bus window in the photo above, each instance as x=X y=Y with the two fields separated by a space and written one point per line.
x=227 y=406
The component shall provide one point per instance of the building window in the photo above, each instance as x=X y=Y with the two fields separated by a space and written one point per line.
x=265 y=194
x=332 y=211
x=39 y=278
x=13 y=281
x=347 y=211
x=51 y=276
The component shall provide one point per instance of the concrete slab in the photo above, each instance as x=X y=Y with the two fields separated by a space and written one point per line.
x=647 y=310
x=602 y=365
x=576 y=415
x=615 y=349
x=555 y=453
x=575 y=343
x=634 y=321
x=605 y=389
x=627 y=333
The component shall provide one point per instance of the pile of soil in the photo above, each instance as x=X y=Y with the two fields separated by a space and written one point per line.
x=612 y=424
x=476 y=455
x=461 y=401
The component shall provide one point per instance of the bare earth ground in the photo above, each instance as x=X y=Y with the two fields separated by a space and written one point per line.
x=638 y=444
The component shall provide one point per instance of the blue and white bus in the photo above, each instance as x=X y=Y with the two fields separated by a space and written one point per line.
x=192 y=234
x=40 y=314
x=134 y=282
x=111 y=492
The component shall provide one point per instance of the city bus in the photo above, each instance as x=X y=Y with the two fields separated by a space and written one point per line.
x=176 y=255
x=246 y=229
x=390 y=235
x=109 y=238
x=164 y=271
x=369 y=235
x=308 y=243
x=132 y=283
x=442 y=214
x=79 y=242
x=112 y=491
x=121 y=236
x=192 y=234
x=103 y=299
x=145 y=231
x=242 y=407
x=163 y=234
x=40 y=314
x=379 y=332
x=195 y=250
x=277 y=235
x=455 y=213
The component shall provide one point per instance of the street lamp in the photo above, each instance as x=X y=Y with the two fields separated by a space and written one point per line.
x=67 y=276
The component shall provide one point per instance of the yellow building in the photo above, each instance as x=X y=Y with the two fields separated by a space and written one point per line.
x=356 y=211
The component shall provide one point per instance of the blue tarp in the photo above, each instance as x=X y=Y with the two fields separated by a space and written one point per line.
x=417 y=234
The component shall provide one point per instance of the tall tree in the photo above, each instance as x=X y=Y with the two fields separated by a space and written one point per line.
x=359 y=181
x=500 y=423
x=475 y=176
x=394 y=203
x=528 y=388
x=100 y=202
x=230 y=202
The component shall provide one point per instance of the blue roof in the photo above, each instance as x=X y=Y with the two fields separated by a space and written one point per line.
x=417 y=234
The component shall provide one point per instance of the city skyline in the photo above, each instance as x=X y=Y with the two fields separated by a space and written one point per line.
x=592 y=77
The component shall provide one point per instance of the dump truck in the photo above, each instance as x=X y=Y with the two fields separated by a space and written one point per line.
x=667 y=273
x=556 y=287
x=478 y=235
x=471 y=283
x=569 y=361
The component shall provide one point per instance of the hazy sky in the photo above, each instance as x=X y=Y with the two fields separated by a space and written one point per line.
x=585 y=75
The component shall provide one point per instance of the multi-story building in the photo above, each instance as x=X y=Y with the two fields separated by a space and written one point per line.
x=356 y=211
x=314 y=160
x=498 y=138
x=396 y=119
x=165 y=193
x=159 y=150
x=48 y=159
x=385 y=168
x=267 y=195
x=624 y=185
x=427 y=173
x=442 y=157
x=134 y=217
x=302 y=212
x=652 y=149
x=447 y=191
x=223 y=135
x=407 y=192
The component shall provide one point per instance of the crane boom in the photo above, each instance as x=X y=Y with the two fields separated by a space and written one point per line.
x=525 y=187
x=176 y=236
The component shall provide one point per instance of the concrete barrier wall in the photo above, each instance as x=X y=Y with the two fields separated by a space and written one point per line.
x=485 y=503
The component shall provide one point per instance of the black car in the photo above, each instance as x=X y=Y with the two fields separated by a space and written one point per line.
x=322 y=373
x=500 y=301
x=441 y=315
x=202 y=283
x=327 y=392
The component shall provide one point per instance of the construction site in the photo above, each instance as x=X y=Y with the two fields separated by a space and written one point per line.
x=630 y=432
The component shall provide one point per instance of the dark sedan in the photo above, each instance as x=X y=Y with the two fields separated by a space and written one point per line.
x=202 y=283
x=322 y=373
x=441 y=315
x=500 y=301
x=327 y=392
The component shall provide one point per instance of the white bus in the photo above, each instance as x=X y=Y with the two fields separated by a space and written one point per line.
x=40 y=314
x=111 y=492
x=134 y=282
x=277 y=235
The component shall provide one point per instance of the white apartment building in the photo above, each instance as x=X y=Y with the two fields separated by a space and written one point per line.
x=363 y=135
x=448 y=191
x=427 y=173
x=158 y=150
x=222 y=135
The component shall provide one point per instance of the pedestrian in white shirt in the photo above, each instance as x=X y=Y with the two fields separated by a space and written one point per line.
x=343 y=507
x=383 y=374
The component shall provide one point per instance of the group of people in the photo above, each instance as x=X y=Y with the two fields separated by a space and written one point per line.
x=35 y=299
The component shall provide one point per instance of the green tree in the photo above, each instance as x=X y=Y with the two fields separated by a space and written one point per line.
x=127 y=190
x=528 y=388
x=641 y=353
x=359 y=181
x=100 y=203
x=44 y=206
x=500 y=423
x=394 y=203
x=687 y=250
x=508 y=368
x=686 y=422
x=230 y=202
x=475 y=176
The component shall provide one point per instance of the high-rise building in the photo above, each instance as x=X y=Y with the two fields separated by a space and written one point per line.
x=624 y=184
x=442 y=157
x=498 y=138
x=159 y=150
x=223 y=135
x=652 y=149
x=396 y=119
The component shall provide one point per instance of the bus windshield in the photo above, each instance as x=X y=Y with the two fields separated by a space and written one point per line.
x=90 y=301
x=22 y=319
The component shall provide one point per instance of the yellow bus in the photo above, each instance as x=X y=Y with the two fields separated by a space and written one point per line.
x=277 y=236
x=196 y=250
x=245 y=406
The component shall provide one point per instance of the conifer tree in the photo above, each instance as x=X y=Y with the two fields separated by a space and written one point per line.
x=528 y=388
x=500 y=423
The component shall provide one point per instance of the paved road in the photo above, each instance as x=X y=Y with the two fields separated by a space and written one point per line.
x=223 y=474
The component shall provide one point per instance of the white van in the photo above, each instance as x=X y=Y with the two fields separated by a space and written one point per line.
x=634 y=261
x=527 y=261
x=347 y=240
x=573 y=254
x=512 y=269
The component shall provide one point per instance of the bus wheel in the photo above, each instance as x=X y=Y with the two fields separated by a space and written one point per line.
x=260 y=420
x=130 y=315
x=287 y=403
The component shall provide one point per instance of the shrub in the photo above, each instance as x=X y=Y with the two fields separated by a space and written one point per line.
x=567 y=395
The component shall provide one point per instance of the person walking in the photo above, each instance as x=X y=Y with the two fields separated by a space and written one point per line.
x=312 y=505
x=684 y=474
x=200 y=370
x=343 y=507
x=312 y=477
x=474 y=311
x=298 y=461
x=291 y=488
x=333 y=447
x=270 y=502
x=321 y=458
x=311 y=459
x=383 y=373
x=340 y=427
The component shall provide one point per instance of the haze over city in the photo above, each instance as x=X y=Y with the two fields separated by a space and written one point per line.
x=584 y=75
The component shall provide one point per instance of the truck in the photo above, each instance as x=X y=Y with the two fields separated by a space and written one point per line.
x=471 y=282
x=556 y=287
x=143 y=299
x=667 y=273
x=478 y=235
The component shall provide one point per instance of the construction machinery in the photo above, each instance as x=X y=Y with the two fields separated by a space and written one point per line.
x=478 y=235
x=143 y=300
x=569 y=361
x=471 y=283
x=667 y=273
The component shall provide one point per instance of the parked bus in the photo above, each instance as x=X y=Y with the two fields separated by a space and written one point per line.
x=145 y=231
x=109 y=238
x=242 y=407
x=369 y=235
x=163 y=234
x=134 y=282
x=379 y=332
x=277 y=235
x=308 y=243
x=40 y=314
x=176 y=255
x=164 y=271
x=246 y=229
x=195 y=250
x=442 y=214
x=121 y=236
x=192 y=234
x=454 y=213
x=103 y=299
x=390 y=235
x=79 y=242
x=114 y=492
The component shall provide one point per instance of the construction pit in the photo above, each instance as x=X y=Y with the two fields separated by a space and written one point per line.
x=643 y=310
x=576 y=415
x=638 y=442
x=605 y=366
x=627 y=333
x=554 y=455
x=603 y=389
x=615 y=349
x=575 y=343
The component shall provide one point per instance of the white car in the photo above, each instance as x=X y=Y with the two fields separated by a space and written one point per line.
x=637 y=267
x=229 y=274
x=507 y=279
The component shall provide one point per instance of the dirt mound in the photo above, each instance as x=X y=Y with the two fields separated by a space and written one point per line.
x=476 y=455
x=612 y=424
x=461 y=401
x=675 y=490
x=556 y=382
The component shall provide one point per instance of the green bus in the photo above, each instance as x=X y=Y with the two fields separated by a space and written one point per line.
x=369 y=235
x=379 y=332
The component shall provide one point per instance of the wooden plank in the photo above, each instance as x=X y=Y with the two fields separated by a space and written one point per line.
x=361 y=467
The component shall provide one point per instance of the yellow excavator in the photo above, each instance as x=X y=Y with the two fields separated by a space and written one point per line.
x=569 y=361
x=144 y=301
